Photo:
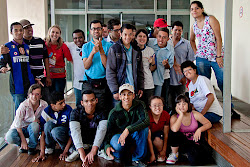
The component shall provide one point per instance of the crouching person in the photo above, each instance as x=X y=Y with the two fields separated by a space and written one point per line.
x=127 y=126
x=88 y=126
x=54 y=122
x=26 y=122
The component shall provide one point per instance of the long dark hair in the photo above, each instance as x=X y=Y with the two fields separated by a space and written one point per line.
x=199 y=4
x=184 y=98
x=144 y=32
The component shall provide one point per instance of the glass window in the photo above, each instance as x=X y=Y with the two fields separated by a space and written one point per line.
x=162 y=4
x=180 y=4
x=185 y=19
x=70 y=4
x=139 y=20
x=115 y=4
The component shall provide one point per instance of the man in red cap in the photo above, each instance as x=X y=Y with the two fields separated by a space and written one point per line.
x=159 y=23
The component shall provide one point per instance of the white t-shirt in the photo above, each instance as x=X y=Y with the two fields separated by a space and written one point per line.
x=198 y=93
x=77 y=63
x=148 y=77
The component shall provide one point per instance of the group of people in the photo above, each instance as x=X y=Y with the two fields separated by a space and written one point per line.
x=125 y=86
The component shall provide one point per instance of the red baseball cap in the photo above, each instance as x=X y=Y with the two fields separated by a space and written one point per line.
x=160 y=23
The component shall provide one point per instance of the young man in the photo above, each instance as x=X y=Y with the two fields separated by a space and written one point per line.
x=26 y=122
x=21 y=77
x=75 y=48
x=127 y=125
x=183 y=51
x=159 y=23
x=105 y=32
x=88 y=127
x=38 y=57
x=54 y=124
x=114 y=28
x=165 y=60
x=94 y=56
x=124 y=64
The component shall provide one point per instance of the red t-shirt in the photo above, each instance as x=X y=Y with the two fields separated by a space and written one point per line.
x=164 y=120
x=56 y=59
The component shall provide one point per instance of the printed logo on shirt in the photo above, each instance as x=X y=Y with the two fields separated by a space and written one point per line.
x=194 y=92
x=51 y=53
x=27 y=51
x=64 y=118
x=13 y=46
x=15 y=53
x=21 y=59
x=80 y=54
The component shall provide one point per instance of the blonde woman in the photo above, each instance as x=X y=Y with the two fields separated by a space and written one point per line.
x=57 y=51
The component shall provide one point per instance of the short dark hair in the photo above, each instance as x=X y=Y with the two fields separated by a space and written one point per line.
x=55 y=97
x=94 y=22
x=143 y=31
x=184 y=98
x=13 y=24
x=177 y=23
x=164 y=29
x=112 y=23
x=88 y=92
x=156 y=97
x=78 y=31
x=104 y=25
x=188 y=63
x=127 y=26
x=34 y=87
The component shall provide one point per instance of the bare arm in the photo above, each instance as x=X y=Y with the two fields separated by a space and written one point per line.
x=175 y=123
x=64 y=155
x=165 y=141
x=42 y=149
x=192 y=40
x=208 y=104
x=24 y=144
x=46 y=64
x=151 y=148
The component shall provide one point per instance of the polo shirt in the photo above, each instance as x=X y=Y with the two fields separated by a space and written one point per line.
x=96 y=70
x=163 y=121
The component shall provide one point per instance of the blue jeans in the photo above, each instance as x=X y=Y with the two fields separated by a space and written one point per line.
x=32 y=131
x=204 y=68
x=158 y=90
x=78 y=96
x=54 y=133
x=165 y=91
x=140 y=138
x=212 y=117
x=18 y=99
x=58 y=84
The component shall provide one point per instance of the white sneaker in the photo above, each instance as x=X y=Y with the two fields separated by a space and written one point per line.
x=172 y=158
x=72 y=157
x=103 y=155
x=49 y=150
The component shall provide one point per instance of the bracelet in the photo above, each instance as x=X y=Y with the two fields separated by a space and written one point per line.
x=218 y=57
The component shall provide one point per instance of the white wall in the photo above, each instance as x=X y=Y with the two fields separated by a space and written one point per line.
x=4 y=22
x=241 y=49
x=36 y=11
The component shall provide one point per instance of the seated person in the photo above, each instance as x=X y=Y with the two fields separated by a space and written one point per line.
x=158 y=129
x=26 y=122
x=88 y=125
x=201 y=93
x=54 y=124
x=186 y=134
x=127 y=125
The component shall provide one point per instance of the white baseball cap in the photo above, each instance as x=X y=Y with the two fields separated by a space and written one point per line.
x=126 y=87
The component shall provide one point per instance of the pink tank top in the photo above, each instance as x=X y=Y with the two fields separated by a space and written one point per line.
x=189 y=131
x=207 y=46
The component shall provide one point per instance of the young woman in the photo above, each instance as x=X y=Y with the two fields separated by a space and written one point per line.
x=158 y=130
x=201 y=93
x=148 y=60
x=26 y=122
x=57 y=51
x=209 y=52
x=185 y=132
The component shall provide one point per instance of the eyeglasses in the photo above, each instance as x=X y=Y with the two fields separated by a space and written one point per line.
x=98 y=28
x=116 y=30
x=155 y=106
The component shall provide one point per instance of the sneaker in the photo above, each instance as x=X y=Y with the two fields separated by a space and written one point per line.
x=49 y=150
x=160 y=159
x=22 y=150
x=101 y=153
x=234 y=114
x=32 y=151
x=72 y=157
x=172 y=158
x=138 y=163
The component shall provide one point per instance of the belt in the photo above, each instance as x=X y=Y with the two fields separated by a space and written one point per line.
x=57 y=70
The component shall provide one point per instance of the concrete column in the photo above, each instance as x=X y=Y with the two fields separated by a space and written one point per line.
x=4 y=37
